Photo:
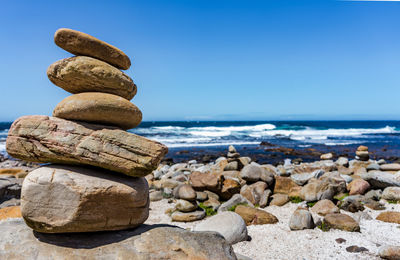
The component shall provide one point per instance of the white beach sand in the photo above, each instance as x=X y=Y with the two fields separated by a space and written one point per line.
x=278 y=242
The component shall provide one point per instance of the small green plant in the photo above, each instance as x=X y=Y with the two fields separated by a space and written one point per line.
x=392 y=201
x=166 y=195
x=234 y=206
x=295 y=199
x=324 y=227
x=311 y=203
x=209 y=210
x=257 y=205
x=341 y=196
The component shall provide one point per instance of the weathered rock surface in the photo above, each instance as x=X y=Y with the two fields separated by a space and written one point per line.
x=85 y=74
x=284 y=185
x=235 y=200
x=229 y=224
x=342 y=222
x=185 y=192
x=389 y=252
x=391 y=193
x=358 y=186
x=279 y=199
x=10 y=212
x=188 y=216
x=301 y=219
x=47 y=139
x=254 y=192
x=389 y=216
x=324 y=207
x=185 y=206
x=253 y=216
x=143 y=243
x=380 y=179
x=59 y=198
x=80 y=43
x=99 y=108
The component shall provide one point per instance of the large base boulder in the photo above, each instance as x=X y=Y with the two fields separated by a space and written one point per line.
x=58 y=199
x=17 y=241
x=46 y=139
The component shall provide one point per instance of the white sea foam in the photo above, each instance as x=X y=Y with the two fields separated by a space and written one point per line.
x=2 y=147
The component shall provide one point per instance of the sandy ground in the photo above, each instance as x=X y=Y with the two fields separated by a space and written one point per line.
x=278 y=242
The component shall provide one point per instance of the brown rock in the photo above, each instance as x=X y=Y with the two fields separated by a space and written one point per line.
x=80 y=43
x=84 y=74
x=205 y=181
x=16 y=172
x=101 y=108
x=229 y=188
x=253 y=216
x=279 y=199
x=188 y=216
x=254 y=192
x=60 y=199
x=389 y=252
x=284 y=185
x=10 y=212
x=342 y=222
x=325 y=207
x=358 y=186
x=185 y=192
x=362 y=148
x=389 y=216
x=47 y=139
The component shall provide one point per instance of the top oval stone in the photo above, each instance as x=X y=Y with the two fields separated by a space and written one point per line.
x=80 y=43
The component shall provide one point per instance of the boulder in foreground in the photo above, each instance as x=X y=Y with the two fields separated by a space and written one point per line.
x=80 y=43
x=145 y=242
x=46 y=139
x=60 y=199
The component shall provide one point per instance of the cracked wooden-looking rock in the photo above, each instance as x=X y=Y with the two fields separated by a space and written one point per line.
x=59 y=199
x=46 y=139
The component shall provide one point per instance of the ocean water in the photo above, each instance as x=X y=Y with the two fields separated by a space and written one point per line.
x=187 y=134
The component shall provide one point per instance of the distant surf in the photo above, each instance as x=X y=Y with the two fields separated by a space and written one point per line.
x=182 y=134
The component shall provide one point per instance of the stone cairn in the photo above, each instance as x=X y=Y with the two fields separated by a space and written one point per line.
x=96 y=179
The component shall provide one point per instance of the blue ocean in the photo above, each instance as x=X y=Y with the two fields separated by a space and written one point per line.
x=295 y=134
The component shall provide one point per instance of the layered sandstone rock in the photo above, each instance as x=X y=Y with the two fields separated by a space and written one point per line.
x=48 y=139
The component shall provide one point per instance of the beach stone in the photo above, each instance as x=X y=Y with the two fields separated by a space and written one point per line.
x=267 y=176
x=61 y=141
x=185 y=206
x=342 y=222
x=229 y=224
x=325 y=207
x=373 y=195
x=356 y=249
x=301 y=219
x=9 y=203
x=80 y=43
x=373 y=167
x=352 y=203
x=205 y=181
x=13 y=172
x=326 y=156
x=185 y=192
x=156 y=195
x=253 y=216
x=212 y=203
x=201 y=196
x=229 y=188
x=10 y=212
x=389 y=216
x=390 y=167
x=232 y=166
x=254 y=191
x=391 y=193
x=211 y=194
x=324 y=188
x=279 y=199
x=381 y=180
x=236 y=199
x=264 y=198
x=10 y=188
x=389 y=252
x=99 y=108
x=144 y=242
x=251 y=173
x=188 y=216
x=358 y=186
x=342 y=161
x=60 y=198
x=85 y=74
x=362 y=148
x=284 y=185
x=303 y=178
x=362 y=155
x=169 y=183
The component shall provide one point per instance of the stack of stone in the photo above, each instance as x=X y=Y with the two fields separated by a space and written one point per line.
x=362 y=153
x=186 y=205
x=97 y=180
x=235 y=162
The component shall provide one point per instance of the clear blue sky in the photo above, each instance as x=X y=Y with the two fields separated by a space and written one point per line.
x=217 y=59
